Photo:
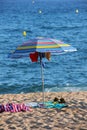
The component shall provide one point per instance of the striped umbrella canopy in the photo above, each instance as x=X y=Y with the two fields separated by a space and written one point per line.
x=41 y=45
x=38 y=47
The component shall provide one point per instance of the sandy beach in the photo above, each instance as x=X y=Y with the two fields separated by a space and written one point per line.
x=73 y=117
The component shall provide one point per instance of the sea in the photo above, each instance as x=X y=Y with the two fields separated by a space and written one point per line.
x=65 y=20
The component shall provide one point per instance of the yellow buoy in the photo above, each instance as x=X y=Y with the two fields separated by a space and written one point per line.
x=40 y=11
x=24 y=33
x=77 y=11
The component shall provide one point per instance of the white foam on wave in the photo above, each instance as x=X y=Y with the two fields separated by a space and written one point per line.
x=67 y=89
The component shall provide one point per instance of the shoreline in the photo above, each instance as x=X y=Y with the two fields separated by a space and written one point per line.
x=38 y=96
x=72 y=117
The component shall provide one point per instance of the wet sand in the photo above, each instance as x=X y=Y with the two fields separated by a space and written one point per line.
x=73 y=117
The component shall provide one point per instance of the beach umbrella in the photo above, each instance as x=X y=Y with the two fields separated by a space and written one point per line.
x=39 y=48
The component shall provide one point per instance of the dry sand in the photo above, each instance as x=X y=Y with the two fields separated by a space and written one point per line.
x=73 y=117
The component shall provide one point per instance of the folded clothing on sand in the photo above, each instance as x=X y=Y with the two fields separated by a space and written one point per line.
x=48 y=104
x=12 y=107
x=32 y=104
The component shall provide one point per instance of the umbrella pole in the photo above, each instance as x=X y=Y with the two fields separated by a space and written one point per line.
x=42 y=75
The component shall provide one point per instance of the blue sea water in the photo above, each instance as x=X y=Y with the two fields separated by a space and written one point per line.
x=46 y=18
